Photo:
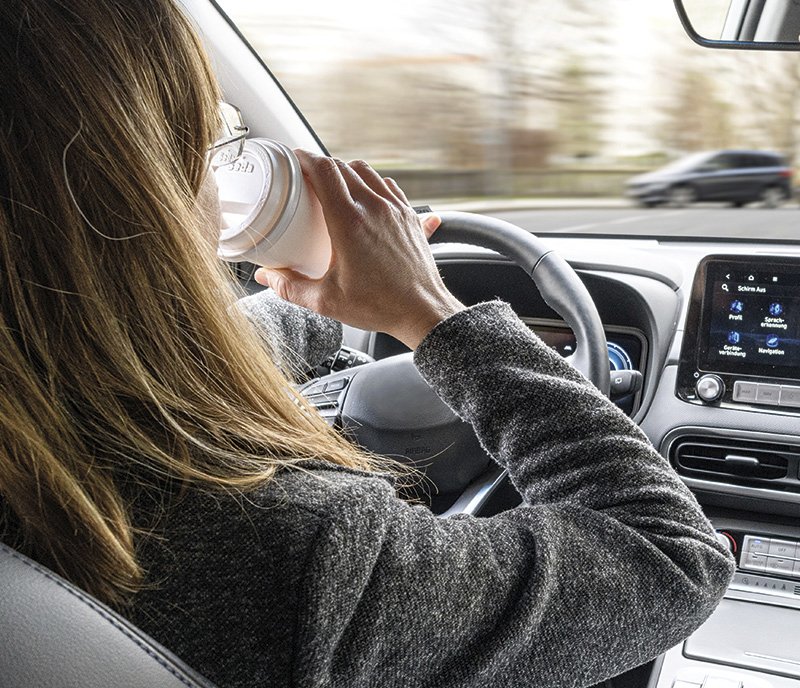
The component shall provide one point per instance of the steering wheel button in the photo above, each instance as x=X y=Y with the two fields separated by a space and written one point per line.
x=336 y=385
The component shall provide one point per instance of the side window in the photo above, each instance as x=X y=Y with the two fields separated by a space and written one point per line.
x=715 y=164
x=750 y=161
x=727 y=161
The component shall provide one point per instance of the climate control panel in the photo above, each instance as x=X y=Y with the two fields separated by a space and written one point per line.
x=770 y=555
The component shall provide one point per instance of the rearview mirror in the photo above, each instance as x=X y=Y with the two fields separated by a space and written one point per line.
x=742 y=24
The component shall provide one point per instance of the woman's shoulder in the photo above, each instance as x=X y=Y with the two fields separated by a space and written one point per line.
x=298 y=499
x=319 y=487
x=234 y=565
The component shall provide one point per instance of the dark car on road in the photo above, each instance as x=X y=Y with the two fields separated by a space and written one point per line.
x=730 y=176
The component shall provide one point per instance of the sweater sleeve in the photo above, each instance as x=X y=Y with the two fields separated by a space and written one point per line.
x=607 y=563
x=298 y=339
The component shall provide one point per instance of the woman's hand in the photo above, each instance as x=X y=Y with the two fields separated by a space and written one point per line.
x=382 y=275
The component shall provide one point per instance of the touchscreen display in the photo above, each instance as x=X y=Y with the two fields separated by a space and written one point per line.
x=753 y=320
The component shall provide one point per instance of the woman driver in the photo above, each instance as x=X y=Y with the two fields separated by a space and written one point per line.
x=151 y=453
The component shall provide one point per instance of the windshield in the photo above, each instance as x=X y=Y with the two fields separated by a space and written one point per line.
x=544 y=113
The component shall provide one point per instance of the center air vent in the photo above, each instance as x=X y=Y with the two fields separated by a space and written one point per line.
x=736 y=461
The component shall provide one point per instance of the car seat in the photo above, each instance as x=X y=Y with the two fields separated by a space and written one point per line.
x=54 y=634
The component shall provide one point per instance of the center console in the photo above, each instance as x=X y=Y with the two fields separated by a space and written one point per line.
x=751 y=640
x=741 y=347
x=741 y=353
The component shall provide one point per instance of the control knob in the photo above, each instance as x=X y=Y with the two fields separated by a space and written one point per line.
x=710 y=388
x=726 y=540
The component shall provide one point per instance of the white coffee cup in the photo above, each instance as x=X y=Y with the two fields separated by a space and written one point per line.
x=270 y=215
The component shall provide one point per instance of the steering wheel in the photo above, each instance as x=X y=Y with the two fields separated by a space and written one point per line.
x=389 y=409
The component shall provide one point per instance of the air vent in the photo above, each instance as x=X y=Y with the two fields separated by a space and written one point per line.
x=736 y=461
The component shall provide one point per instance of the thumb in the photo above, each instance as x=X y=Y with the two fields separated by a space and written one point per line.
x=430 y=223
x=290 y=285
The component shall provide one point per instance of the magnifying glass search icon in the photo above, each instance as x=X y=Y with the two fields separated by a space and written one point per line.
x=724 y=287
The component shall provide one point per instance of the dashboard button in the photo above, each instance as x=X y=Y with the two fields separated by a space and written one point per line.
x=755 y=544
x=780 y=565
x=710 y=388
x=768 y=394
x=753 y=562
x=782 y=548
x=745 y=391
x=790 y=396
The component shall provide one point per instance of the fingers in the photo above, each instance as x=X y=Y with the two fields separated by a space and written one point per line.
x=336 y=186
x=430 y=224
x=396 y=190
x=290 y=286
x=331 y=178
x=356 y=184
x=373 y=180
x=325 y=176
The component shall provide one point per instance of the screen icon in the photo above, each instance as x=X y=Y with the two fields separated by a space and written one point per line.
x=773 y=342
x=734 y=338
x=737 y=306
x=776 y=310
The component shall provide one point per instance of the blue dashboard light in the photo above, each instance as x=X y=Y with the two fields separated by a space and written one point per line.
x=618 y=357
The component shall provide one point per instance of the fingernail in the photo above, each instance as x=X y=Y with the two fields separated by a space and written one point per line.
x=260 y=276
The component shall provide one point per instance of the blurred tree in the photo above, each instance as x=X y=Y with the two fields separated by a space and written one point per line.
x=531 y=148
x=776 y=98
x=697 y=117
x=405 y=111
x=521 y=43
x=579 y=102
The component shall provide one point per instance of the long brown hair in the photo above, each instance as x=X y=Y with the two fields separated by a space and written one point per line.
x=122 y=360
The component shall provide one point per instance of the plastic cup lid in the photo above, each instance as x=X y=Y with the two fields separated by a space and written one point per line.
x=258 y=195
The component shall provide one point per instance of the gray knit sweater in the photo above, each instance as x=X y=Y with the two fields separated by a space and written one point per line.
x=324 y=578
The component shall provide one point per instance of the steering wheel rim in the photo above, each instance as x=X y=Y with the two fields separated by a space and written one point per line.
x=390 y=410
x=558 y=284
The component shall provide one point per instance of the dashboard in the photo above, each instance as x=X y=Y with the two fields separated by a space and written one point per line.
x=714 y=330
